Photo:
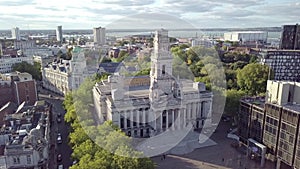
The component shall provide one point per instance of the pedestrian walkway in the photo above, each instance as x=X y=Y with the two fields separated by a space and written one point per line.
x=182 y=162
x=176 y=142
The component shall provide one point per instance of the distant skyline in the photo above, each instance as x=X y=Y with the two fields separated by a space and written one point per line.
x=86 y=14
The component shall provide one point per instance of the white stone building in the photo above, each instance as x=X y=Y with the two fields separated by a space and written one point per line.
x=15 y=33
x=168 y=103
x=62 y=76
x=6 y=62
x=246 y=36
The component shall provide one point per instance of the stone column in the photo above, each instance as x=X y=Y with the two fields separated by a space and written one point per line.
x=194 y=112
x=154 y=120
x=167 y=119
x=125 y=120
x=138 y=118
x=119 y=119
x=161 y=119
x=184 y=117
x=131 y=119
x=208 y=119
x=173 y=119
x=179 y=118
x=200 y=110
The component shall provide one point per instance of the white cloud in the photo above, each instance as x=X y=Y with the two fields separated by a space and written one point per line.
x=202 y=13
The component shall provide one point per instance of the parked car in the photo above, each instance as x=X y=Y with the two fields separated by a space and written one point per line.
x=58 y=119
x=59 y=157
x=58 y=114
x=59 y=140
x=60 y=166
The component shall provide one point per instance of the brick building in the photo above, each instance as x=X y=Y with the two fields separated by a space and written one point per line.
x=17 y=87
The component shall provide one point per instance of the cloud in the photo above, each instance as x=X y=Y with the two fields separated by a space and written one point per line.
x=201 y=13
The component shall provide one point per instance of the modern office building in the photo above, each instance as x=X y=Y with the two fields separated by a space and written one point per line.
x=59 y=34
x=246 y=36
x=150 y=107
x=285 y=64
x=276 y=122
x=17 y=87
x=15 y=33
x=290 y=37
x=99 y=36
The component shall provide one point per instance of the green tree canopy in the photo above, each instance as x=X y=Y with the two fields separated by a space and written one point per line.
x=253 y=78
x=103 y=146
x=233 y=101
x=34 y=70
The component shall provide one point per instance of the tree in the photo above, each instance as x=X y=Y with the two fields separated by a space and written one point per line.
x=103 y=146
x=34 y=70
x=233 y=101
x=253 y=78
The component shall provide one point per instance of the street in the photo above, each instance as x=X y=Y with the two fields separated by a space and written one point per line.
x=58 y=127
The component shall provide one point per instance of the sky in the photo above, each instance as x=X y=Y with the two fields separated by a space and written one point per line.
x=131 y=14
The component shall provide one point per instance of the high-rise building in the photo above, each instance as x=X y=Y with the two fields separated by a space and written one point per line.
x=99 y=35
x=59 y=36
x=15 y=33
x=290 y=37
x=274 y=122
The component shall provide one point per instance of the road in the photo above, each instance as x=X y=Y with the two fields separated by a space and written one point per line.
x=60 y=127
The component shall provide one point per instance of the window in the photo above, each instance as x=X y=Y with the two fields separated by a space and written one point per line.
x=16 y=160
x=163 y=69
x=28 y=159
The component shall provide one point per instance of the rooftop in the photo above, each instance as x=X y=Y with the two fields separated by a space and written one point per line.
x=258 y=101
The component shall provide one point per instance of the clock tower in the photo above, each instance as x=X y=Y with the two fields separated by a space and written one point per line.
x=161 y=66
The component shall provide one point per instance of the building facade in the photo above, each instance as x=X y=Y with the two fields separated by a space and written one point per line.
x=149 y=107
x=279 y=122
x=283 y=63
x=290 y=37
x=249 y=36
x=24 y=142
x=17 y=87
x=62 y=76
x=15 y=33
x=6 y=62
x=207 y=43
x=24 y=44
x=99 y=36
x=59 y=34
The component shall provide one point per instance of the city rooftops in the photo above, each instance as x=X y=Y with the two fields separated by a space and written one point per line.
x=293 y=107
x=257 y=101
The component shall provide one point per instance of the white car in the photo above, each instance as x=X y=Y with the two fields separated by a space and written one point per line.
x=59 y=140
x=60 y=166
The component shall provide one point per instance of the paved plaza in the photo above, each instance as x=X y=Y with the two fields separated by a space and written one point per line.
x=218 y=156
